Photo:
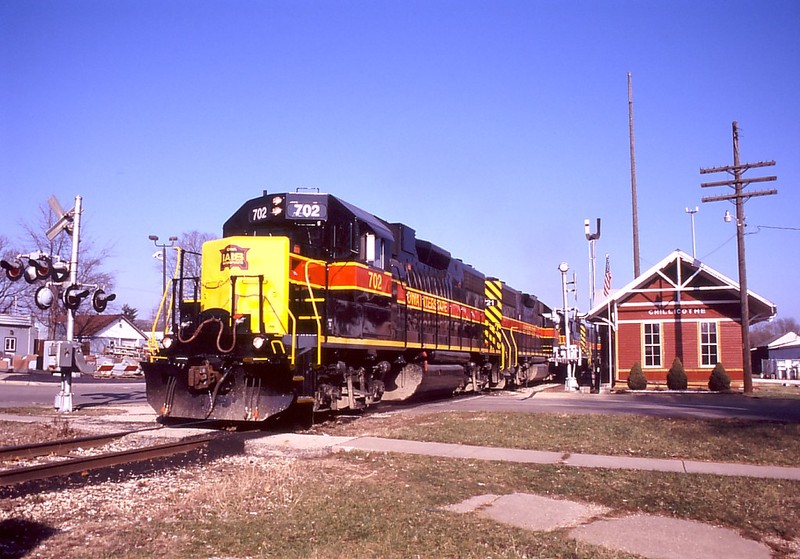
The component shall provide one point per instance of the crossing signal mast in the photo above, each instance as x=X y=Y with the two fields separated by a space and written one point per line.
x=62 y=355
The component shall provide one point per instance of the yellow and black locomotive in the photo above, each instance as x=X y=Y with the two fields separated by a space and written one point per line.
x=309 y=300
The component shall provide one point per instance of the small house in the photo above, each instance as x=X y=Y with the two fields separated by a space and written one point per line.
x=109 y=334
x=779 y=359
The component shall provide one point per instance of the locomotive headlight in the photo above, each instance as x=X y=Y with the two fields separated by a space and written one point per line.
x=259 y=342
x=277 y=205
x=167 y=342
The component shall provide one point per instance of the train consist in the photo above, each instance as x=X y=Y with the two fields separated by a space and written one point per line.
x=309 y=302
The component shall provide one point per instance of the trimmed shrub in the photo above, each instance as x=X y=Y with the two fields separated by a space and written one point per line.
x=676 y=377
x=636 y=378
x=719 y=379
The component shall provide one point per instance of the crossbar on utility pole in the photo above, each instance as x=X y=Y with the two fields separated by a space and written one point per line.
x=739 y=197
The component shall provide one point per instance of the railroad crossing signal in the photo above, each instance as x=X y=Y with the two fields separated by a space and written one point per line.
x=49 y=268
x=45 y=267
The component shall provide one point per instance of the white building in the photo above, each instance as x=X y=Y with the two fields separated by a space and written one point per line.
x=109 y=334
x=18 y=336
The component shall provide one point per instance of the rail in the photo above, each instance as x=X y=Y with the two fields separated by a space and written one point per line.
x=55 y=447
x=106 y=460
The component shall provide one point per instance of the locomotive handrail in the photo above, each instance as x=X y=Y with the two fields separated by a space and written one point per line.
x=293 y=321
x=317 y=317
x=160 y=309
x=503 y=351
x=515 y=360
x=496 y=332
x=152 y=343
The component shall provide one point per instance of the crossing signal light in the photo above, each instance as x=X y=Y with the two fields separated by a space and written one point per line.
x=13 y=269
x=37 y=269
x=73 y=296
x=59 y=271
x=100 y=300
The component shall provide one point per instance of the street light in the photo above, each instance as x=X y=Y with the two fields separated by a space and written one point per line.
x=163 y=247
x=592 y=238
x=570 y=383
x=694 y=245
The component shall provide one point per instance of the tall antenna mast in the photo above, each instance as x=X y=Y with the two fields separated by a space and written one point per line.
x=634 y=206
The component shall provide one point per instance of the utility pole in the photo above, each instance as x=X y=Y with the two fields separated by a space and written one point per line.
x=739 y=197
x=634 y=203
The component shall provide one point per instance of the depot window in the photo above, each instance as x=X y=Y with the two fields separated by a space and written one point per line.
x=709 y=344
x=652 y=344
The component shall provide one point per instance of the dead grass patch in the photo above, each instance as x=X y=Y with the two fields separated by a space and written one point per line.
x=388 y=506
x=718 y=440
x=15 y=433
x=773 y=390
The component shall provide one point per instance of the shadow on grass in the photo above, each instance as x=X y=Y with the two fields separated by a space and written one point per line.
x=18 y=537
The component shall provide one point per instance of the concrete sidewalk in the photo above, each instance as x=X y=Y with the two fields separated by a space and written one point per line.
x=655 y=537
x=376 y=444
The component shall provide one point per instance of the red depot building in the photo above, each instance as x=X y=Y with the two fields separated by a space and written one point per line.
x=679 y=307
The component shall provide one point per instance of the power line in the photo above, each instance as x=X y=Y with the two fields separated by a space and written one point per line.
x=729 y=239
x=760 y=227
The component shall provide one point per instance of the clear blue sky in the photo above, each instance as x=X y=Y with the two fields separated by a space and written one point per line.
x=494 y=128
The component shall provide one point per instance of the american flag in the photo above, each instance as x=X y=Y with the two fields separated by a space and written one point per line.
x=607 y=279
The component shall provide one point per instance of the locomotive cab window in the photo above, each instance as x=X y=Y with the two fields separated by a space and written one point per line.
x=342 y=240
x=372 y=250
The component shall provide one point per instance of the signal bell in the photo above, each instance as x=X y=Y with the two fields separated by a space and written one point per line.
x=100 y=300
x=44 y=297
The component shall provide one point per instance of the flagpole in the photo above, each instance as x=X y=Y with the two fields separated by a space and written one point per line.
x=606 y=293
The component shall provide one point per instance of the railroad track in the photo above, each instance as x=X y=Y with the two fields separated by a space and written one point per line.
x=84 y=464
x=58 y=447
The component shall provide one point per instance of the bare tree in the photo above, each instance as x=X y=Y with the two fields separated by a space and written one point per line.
x=191 y=244
x=13 y=294
x=765 y=332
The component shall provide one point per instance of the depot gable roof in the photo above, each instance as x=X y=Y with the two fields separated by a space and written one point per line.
x=686 y=274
